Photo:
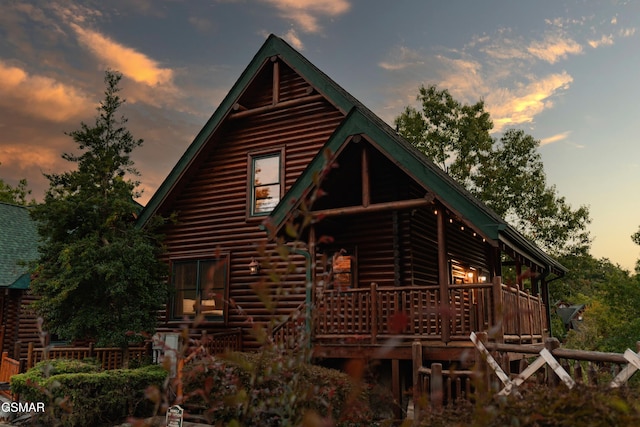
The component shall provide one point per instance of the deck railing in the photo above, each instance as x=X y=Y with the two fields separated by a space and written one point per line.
x=8 y=368
x=365 y=315
x=525 y=316
x=107 y=357
x=223 y=341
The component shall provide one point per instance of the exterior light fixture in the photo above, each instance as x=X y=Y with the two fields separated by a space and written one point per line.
x=254 y=267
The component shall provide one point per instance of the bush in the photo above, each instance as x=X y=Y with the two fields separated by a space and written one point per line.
x=80 y=394
x=269 y=388
x=541 y=405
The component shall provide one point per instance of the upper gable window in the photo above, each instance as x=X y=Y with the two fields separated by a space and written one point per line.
x=265 y=172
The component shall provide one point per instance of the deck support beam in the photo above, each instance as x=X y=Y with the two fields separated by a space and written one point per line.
x=376 y=207
x=396 y=388
x=443 y=278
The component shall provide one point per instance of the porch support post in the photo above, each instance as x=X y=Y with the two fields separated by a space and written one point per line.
x=443 y=278
x=498 y=310
x=366 y=186
x=396 y=388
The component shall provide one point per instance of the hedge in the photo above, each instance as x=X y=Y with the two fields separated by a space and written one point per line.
x=77 y=393
x=270 y=389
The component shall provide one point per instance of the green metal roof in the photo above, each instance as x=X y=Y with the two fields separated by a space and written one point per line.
x=359 y=120
x=18 y=243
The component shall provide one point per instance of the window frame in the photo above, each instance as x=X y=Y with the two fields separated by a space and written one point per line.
x=221 y=259
x=251 y=187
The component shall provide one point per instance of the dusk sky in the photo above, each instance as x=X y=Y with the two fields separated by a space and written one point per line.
x=567 y=72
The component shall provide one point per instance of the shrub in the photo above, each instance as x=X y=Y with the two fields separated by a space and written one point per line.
x=540 y=405
x=270 y=388
x=79 y=394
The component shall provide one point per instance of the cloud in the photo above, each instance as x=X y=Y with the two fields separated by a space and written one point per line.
x=128 y=61
x=555 y=138
x=603 y=41
x=553 y=48
x=305 y=12
x=400 y=58
x=292 y=37
x=39 y=156
x=510 y=108
x=41 y=97
x=627 y=32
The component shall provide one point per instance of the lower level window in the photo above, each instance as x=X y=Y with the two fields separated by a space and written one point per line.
x=200 y=287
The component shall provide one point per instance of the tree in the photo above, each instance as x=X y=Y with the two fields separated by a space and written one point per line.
x=98 y=276
x=612 y=302
x=14 y=195
x=506 y=174
x=636 y=239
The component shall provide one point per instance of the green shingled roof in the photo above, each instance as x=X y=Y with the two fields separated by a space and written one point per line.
x=18 y=243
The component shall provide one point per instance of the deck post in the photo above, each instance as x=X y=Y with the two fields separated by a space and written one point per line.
x=30 y=356
x=16 y=350
x=498 y=308
x=436 y=387
x=374 y=312
x=416 y=358
x=518 y=316
x=443 y=279
x=482 y=367
x=396 y=388
x=552 y=378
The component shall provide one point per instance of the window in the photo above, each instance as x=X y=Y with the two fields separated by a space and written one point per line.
x=265 y=182
x=200 y=287
x=341 y=269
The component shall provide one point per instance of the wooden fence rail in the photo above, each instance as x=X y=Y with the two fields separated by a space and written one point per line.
x=108 y=357
x=554 y=365
x=8 y=368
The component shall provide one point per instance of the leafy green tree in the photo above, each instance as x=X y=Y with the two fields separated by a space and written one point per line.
x=612 y=300
x=14 y=195
x=99 y=276
x=506 y=174
x=455 y=136
x=636 y=239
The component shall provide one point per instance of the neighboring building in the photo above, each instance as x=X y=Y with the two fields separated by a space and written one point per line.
x=18 y=244
x=397 y=250
x=570 y=314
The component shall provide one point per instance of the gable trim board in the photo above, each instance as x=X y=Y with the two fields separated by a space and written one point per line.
x=359 y=121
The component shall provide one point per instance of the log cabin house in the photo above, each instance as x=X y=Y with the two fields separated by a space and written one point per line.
x=387 y=248
x=18 y=244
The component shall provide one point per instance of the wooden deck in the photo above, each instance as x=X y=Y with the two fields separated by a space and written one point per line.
x=383 y=322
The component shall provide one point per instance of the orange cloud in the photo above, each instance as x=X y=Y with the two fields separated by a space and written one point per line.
x=128 y=61
x=555 y=138
x=292 y=37
x=508 y=108
x=304 y=12
x=554 y=48
x=39 y=96
x=39 y=157
x=603 y=41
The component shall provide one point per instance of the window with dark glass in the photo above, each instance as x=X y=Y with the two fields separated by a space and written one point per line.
x=200 y=287
x=265 y=183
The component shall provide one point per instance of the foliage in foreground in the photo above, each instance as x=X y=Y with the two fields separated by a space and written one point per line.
x=549 y=407
x=269 y=388
x=78 y=393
